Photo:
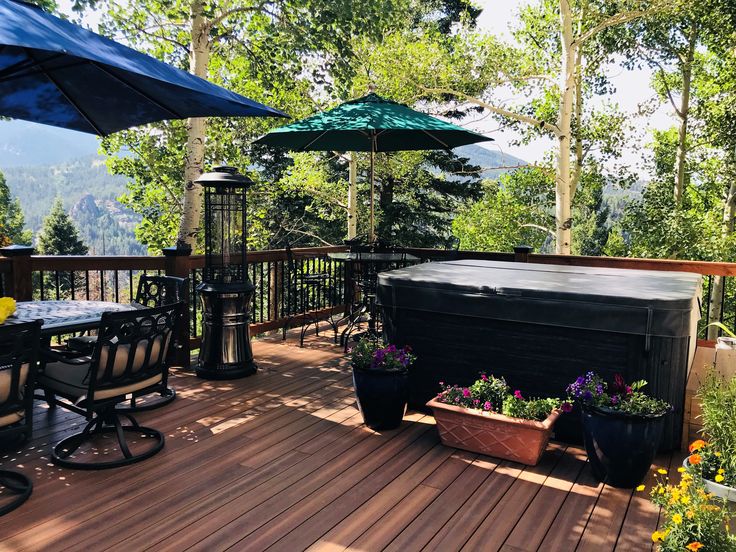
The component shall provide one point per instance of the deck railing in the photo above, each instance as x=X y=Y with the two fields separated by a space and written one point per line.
x=26 y=276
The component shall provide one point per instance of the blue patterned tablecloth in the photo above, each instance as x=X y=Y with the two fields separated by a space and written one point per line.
x=66 y=316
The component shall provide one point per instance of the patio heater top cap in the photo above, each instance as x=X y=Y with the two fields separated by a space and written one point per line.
x=226 y=177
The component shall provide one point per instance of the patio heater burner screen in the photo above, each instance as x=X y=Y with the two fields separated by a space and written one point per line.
x=225 y=291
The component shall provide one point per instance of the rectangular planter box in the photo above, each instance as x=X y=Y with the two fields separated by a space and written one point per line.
x=541 y=326
x=493 y=434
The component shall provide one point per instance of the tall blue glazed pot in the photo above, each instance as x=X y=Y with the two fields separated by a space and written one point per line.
x=620 y=447
x=382 y=396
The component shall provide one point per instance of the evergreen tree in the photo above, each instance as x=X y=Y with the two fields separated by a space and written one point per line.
x=59 y=235
x=12 y=222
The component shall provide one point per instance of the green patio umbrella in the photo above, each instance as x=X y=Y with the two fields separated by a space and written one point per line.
x=373 y=124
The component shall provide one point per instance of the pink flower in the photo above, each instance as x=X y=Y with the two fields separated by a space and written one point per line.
x=517 y=395
x=566 y=407
x=487 y=406
x=483 y=377
x=466 y=392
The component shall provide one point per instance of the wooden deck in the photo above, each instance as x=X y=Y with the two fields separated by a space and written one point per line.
x=280 y=461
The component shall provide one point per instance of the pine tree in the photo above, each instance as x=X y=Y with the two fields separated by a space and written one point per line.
x=12 y=222
x=59 y=234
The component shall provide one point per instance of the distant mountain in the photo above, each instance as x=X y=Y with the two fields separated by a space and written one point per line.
x=24 y=144
x=489 y=160
x=88 y=193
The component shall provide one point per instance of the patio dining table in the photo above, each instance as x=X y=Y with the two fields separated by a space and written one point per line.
x=66 y=316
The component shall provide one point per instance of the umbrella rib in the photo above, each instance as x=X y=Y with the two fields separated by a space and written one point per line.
x=433 y=137
x=13 y=72
x=74 y=104
x=303 y=148
x=137 y=90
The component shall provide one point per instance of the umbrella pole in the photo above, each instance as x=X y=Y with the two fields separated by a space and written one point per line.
x=372 y=234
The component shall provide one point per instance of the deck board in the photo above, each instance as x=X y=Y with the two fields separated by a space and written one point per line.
x=280 y=461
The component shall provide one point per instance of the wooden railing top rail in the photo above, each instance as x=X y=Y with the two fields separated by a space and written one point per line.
x=699 y=267
x=96 y=262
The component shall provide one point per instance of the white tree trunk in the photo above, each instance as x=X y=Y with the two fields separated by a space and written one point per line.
x=715 y=311
x=199 y=58
x=563 y=213
x=353 y=197
x=683 y=114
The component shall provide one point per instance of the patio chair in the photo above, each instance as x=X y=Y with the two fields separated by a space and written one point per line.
x=305 y=282
x=128 y=361
x=153 y=291
x=19 y=345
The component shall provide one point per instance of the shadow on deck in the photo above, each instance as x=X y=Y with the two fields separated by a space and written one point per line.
x=280 y=461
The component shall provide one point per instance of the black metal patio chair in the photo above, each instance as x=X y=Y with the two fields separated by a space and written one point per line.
x=19 y=345
x=153 y=291
x=128 y=361
x=307 y=285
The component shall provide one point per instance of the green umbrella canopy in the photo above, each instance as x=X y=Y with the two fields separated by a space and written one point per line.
x=358 y=124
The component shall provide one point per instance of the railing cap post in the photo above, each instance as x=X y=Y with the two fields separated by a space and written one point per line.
x=521 y=253
x=17 y=251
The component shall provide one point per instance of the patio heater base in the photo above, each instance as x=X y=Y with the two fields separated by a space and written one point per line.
x=225 y=352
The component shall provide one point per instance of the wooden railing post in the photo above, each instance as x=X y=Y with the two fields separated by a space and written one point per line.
x=20 y=283
x=178 y=264
x=521 y=253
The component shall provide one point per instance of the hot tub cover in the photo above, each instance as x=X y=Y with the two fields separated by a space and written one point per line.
x=642 y=302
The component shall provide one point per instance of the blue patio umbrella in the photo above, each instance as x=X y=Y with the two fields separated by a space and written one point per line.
x=57 y=73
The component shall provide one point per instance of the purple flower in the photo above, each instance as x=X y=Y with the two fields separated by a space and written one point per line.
x=517 y=395
x=566 y=407
x=580 y=380
x=588 y=395
x=614 y=399
x=487 y=405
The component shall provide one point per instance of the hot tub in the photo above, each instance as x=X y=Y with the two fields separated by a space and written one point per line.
x=540 y=326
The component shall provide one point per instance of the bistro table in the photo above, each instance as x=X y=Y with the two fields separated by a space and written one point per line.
x=366 y=265
x=60 y=317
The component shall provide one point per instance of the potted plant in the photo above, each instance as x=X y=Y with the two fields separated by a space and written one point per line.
x=381 y=382
x=622 y=427
x=692 y=518
x=488 y=419
x=714 y=458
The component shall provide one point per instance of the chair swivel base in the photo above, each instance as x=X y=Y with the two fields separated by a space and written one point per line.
x=17 y=484
x=107 y=423
x=164 y=398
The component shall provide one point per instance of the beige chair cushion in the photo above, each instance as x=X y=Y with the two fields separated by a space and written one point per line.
x=121 y=357
x=12 y=418
x=70 y=380
x=6 y=378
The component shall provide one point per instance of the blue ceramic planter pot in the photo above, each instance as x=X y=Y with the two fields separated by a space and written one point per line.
x=620 y=447
x=382 y=396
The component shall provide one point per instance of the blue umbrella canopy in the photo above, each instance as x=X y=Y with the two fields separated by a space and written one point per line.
x=60 y=74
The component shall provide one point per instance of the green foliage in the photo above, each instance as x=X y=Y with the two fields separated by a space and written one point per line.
x=486 y=394
x=529 y=409
x=12 y=221
x=59 y=235
x=717 y=397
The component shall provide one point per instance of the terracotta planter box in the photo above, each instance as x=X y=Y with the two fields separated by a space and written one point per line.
x=493 y=434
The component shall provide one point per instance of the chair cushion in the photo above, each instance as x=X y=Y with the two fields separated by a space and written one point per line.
x=70 y=380
x=12 y=418
x=6 y=377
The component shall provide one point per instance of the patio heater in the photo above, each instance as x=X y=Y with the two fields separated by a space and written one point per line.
x=225 y=291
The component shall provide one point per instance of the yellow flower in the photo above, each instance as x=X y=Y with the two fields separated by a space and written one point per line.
x=721 y=470
x=685 y=499
x=681 y=469
x=718 y=454
x=658 y=536
x=641 y=488
x=689 y=514
x=694 y=546
x=7 y=307
x=719 y=478
x=677 y=518
x=661 y=471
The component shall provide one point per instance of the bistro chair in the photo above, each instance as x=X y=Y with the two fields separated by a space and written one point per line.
x=128 y=360
x=153 y=291
x=306 y=281
x=19 y=344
